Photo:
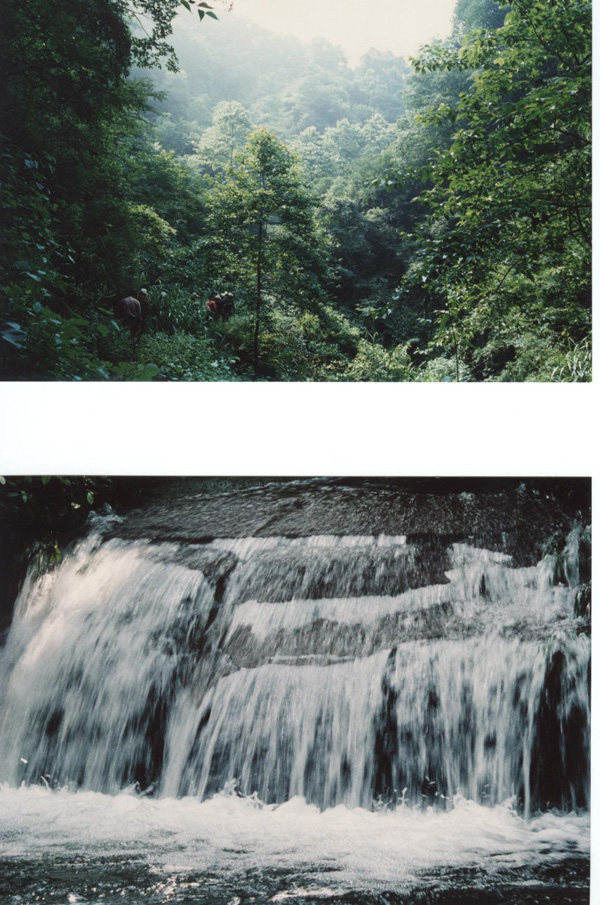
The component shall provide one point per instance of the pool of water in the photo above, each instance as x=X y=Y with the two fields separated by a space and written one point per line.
x=84 y=847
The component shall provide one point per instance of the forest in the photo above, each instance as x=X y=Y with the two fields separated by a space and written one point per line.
x=391 y=220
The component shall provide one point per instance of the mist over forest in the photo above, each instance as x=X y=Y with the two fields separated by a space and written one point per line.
x=424 y=220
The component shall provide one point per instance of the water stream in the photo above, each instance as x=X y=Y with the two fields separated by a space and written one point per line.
x=356 y=719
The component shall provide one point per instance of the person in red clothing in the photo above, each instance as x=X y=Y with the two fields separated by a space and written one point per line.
x=221 y=306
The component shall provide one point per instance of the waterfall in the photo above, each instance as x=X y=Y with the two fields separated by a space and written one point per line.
x=365 y=671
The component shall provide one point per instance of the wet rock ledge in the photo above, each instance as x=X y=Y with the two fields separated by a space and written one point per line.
x=515 y=516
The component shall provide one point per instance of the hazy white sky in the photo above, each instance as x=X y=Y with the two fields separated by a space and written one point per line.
x=397 y=25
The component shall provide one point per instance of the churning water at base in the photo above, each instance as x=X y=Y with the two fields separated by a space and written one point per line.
x=334 y=715
x=292 y=850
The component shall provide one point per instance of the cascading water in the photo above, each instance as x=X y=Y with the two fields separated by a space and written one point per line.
x=281 y=679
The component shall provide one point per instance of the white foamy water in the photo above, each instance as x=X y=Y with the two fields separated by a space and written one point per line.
x=380 y=713
x=462 y=716
x=342 y=847
x=477 y=579
x=246 y=547
x=127 y=664
x=87 y=660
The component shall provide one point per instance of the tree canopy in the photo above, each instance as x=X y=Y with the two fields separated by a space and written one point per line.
x=382 y=221
x=506 y=247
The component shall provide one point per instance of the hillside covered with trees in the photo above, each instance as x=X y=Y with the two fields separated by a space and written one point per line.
x=424 y=220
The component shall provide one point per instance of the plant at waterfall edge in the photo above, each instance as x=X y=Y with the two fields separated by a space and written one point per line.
x=47 y=509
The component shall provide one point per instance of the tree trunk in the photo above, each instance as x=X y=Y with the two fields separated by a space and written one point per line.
x=258 y=295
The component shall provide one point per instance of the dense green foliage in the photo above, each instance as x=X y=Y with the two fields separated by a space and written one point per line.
x=375 y=222
x=506 y=246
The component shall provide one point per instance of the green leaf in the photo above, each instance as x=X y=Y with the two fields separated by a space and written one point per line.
x=13 y=334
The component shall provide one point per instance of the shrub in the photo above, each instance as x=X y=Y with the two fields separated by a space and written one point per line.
x=184 y=357
x=373 y=362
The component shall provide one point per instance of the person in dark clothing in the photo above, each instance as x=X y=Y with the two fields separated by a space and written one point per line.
x=133 y=312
